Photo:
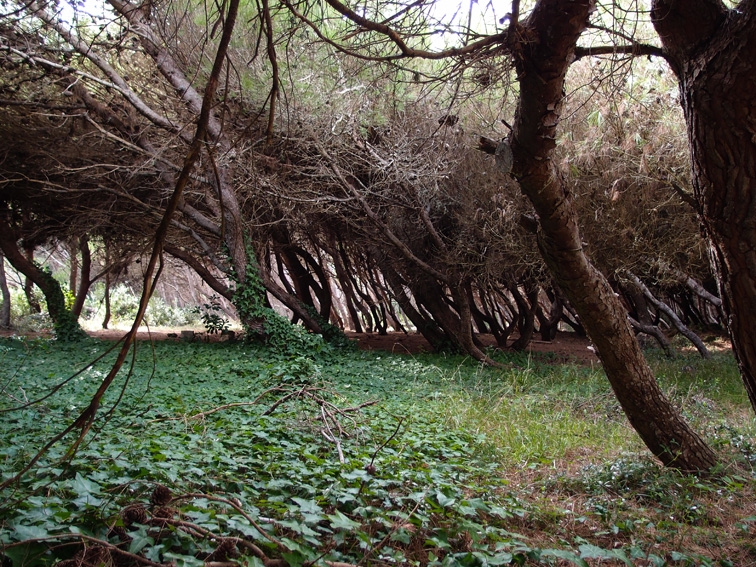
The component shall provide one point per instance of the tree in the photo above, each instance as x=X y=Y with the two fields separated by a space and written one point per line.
x=550 y=33
x=398 y=203
x=64 y=322
x=543 y=45
x=5 y=308
x=712 y=50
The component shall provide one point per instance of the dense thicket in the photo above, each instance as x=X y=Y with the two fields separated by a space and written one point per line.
x=364 y=211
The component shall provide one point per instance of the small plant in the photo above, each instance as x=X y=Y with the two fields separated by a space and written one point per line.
x=211 y=315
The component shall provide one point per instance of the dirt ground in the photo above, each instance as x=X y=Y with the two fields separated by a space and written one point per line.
x=567 y=347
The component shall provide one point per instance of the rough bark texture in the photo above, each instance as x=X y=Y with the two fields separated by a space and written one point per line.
x=85 y=281
x=543 y=47
x=5 y=309
x=713 y=52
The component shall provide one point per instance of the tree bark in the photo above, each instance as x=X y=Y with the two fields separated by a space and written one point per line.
x=543 y=47
x=65 y=324
x=34 y=305
x=549 y=324
x=526 y=315
x=85 y=280
x=713 y=51
x=5 y=310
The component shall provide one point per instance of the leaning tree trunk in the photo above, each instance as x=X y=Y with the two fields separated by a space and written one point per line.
x=65 y=324
x=543 y=47
x=85 y=277
x=34 y=305
x=713 y=52
x=5 y=309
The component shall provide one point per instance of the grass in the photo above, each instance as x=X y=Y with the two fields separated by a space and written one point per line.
x=445 y=462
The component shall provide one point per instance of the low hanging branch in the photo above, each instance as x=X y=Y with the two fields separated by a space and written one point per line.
x=86 y=419
x=655 y=332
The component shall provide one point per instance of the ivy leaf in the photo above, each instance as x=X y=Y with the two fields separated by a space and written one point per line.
x=83 y=486
x=589 y=551
x=253 y=561
x=308 y=506
x=184 y=560
x=140 y=539
x=499 y=559
x=566 y=555
x=443 y=500
x=341 y=522
x=21 y=533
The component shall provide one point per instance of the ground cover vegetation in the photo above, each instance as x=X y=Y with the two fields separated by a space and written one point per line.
x=346 y=207
x=256 y=143
x=230 y=454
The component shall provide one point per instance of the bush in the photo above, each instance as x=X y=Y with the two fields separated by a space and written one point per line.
x=124 y=304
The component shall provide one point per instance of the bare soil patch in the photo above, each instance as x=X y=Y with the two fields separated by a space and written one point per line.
x=565 y=348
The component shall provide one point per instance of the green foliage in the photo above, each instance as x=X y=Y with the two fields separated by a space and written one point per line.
x=211 y=316
x=124 y=304
x=65 y=324
x=418 y=485
x=331 y=334
x=543 y=412
x=70 y=298
x=262 y=323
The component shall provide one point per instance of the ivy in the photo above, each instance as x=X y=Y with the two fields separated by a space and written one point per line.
x=332 y=334
x=236 y=432
x=65 y=323
x=262 y=323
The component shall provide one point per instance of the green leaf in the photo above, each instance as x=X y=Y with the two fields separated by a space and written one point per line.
x=564 y=554
x=22 y=533
x=83 y=486
x=341 y=522
x=139 y=541
x=444 y=500
x=499 y=559
x=590 y=551
x=184 y=560
x=253 y=561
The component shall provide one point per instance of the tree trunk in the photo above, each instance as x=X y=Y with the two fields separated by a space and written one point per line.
x=85 y=280
x=549 y=324
x=672 y=316
x=65 y=324
x=34 y=305
x=106 y=318
x=544 y=48
x=525 y=317
x=73 y=272
x=5 y=310
x=713 y=52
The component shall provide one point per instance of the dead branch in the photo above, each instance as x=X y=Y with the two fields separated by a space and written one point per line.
x=664 y=308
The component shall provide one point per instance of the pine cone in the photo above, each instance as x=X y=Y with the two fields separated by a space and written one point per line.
x=163 y=512
x=95 y=556
x=161 y=495
x=134 y=514
x=120 y=533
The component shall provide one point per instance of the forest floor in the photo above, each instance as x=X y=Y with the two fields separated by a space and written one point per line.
x=542 y=442
x=566 y=347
